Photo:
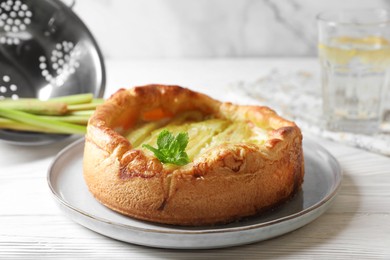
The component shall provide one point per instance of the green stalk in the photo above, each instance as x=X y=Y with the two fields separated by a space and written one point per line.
x=74 y=119
x=74 y=99
x=44 y=123
x=82 y=113
x=14 y=125
x=35 y=106
x=79 y=107
x=97 y=101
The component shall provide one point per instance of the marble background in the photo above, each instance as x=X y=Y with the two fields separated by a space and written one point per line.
x=140 y=29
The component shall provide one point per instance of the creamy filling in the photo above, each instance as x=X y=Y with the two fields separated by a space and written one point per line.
x=204 y=132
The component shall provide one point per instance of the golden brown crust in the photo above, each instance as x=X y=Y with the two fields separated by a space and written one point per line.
x=223 y=184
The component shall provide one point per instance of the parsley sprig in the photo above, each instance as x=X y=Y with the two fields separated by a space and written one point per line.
x=170 y=148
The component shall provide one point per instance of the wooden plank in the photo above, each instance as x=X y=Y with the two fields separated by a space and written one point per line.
x=332 y=235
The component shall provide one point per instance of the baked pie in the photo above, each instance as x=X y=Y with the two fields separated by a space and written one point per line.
x=242 y=160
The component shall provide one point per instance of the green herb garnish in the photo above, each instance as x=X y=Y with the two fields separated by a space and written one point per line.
x=170 y=148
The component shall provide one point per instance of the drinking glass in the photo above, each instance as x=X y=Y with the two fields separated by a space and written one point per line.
x=354 y=53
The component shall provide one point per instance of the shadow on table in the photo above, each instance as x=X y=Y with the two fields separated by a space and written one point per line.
x=304 y=241
x=14 y=154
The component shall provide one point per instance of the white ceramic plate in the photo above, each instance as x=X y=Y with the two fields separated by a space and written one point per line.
x=322 y=181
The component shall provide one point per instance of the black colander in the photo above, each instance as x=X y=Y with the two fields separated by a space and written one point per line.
x=45 y=51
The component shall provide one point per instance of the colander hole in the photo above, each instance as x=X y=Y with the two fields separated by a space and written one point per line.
x=3 y=89
x=14 y=96
x=6 y=78
x=13 y=87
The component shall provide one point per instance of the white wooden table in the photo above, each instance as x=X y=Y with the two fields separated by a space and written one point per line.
x=357 y=226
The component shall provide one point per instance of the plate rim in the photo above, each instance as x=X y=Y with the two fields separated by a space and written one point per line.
x=327 y=198
x=30 y=138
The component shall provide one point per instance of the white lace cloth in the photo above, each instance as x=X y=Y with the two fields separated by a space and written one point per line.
x=296 y=95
